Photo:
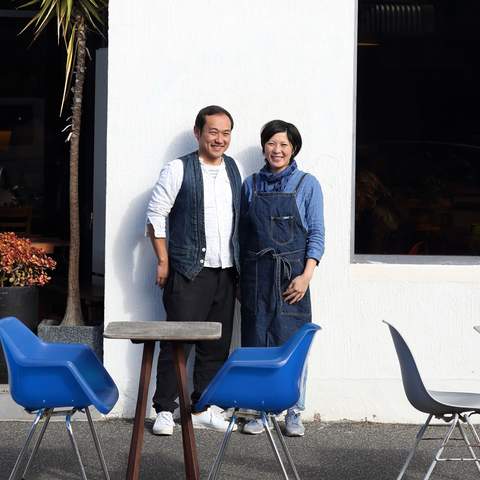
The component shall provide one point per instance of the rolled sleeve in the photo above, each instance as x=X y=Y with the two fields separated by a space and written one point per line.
x=163 y=197
x=314 y=219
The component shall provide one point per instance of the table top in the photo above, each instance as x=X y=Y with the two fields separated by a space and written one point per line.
x=163 y=330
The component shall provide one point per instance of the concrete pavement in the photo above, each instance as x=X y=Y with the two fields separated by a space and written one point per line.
x=329 y=451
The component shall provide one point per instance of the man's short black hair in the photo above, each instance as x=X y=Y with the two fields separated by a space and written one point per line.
x=279 y=126
x=210 y=110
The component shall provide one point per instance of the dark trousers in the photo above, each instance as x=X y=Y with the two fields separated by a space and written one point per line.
x=209 y=297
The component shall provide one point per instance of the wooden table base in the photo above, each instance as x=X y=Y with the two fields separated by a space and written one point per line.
x=133 y=468
x=192 y=471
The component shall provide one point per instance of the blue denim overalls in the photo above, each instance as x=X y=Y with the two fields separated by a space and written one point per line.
x=273 y=254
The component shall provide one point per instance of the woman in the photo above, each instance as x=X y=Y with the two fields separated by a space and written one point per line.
x=282 y=241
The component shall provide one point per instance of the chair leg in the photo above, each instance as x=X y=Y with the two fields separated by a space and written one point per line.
x=48 y=415
x=272 y=443
x=284 y=446
x=473 y=429
x=469 y=446
x=226 y=438
x=97 y=444
x=442 y=446
x=27 y=443
x=418 y=438
x=74 y=444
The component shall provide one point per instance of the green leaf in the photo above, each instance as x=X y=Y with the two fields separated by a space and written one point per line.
x=63 y=11
x=90 y=12
x=28 y=4
x=71 y=53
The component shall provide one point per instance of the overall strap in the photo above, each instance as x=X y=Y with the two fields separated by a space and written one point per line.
x=300 y=182
x=254 y=181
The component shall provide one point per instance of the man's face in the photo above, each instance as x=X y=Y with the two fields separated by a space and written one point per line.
x=214 y=138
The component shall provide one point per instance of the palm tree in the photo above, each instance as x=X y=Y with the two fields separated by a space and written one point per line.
x=74 y=19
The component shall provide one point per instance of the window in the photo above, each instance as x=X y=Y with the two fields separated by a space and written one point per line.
x=417 y=186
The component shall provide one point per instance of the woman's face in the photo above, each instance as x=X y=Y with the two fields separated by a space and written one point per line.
x=278 y=152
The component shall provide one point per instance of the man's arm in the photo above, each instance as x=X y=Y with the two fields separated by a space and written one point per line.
x=161 y=202
x=160 y=248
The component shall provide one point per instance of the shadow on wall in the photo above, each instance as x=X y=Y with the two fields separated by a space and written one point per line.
x=136 y=272
x=249 y=160
x=142 y=299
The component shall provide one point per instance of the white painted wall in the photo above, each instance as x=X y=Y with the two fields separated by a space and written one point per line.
x=265 y=60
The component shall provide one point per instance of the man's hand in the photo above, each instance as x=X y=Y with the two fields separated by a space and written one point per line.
x=159 y=245
x=162 y=274
x=297 y=288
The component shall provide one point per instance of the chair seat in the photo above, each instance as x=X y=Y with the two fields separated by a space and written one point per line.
x=54 y=375
x=266 y=379
x=458 y=401
x=46 y=377
x=261 y=378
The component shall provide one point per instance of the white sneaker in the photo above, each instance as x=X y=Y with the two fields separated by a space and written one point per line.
x=211 y=420
x=163 y=424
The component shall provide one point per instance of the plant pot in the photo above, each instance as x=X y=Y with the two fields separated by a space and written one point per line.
x=22 y=303
x=86 y=334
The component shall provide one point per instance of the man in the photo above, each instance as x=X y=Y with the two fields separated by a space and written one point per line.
x=199 y=194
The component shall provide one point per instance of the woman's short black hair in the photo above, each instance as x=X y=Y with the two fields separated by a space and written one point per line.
x=279 y=126
x=210 y=110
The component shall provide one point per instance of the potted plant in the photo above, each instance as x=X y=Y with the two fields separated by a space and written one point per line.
x=23 y=268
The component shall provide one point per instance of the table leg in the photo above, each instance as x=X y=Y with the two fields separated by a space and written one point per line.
x=133 y=469
x=189 y=448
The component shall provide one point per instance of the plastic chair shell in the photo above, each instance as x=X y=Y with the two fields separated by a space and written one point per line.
x=264 y=379
x=53 y=375
x=428 y=401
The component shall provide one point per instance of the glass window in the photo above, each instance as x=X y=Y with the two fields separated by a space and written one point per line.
x=417 y=189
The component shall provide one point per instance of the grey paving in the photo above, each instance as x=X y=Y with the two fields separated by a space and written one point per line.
x=329 y=451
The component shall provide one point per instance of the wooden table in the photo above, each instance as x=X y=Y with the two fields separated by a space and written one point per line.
x=178 y=333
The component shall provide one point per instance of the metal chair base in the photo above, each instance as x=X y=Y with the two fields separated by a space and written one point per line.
x=456 y=421
x=265 y=417
x=46 y=414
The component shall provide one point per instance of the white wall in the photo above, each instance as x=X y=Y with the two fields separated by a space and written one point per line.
x=265 y=60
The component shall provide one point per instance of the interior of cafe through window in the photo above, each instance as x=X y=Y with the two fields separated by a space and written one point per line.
x=417 y=180
x=34 y=154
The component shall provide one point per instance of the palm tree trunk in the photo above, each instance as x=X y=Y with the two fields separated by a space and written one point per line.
x=73 y=311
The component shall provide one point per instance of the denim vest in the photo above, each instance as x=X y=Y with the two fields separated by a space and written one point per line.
x=186 y=221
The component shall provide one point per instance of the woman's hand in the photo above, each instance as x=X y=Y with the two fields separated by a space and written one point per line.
x=297 y=288
x=162 y=274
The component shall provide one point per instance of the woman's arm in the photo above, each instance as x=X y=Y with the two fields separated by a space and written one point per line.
x=313 y=211
x=312 y=207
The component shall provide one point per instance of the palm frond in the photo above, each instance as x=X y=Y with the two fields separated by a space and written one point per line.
x=65 y=13
x=71 y=54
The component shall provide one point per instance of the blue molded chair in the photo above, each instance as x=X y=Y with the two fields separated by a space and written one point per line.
x=264 y=379
x=451 y=407
x=44 y=377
